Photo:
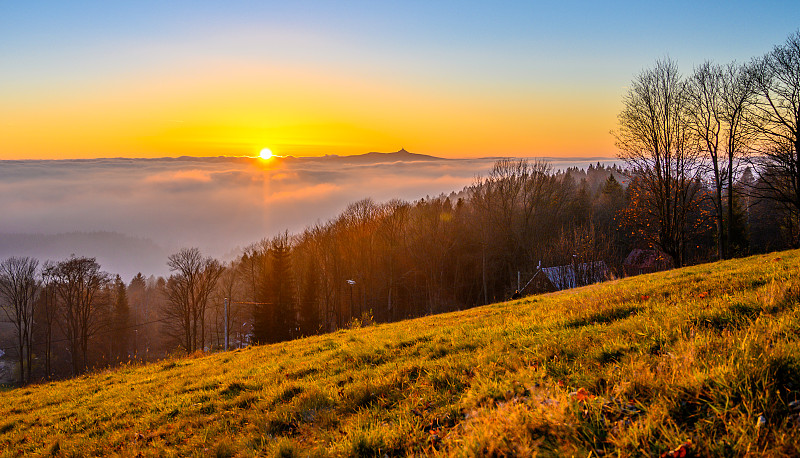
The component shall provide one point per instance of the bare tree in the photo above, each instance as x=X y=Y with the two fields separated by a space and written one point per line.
x=544 y=198
x=77 y=282
x=359 y=223
x=655 y=140
x=393 y=222
x=497 y=199
x=582 y=252
x=719 y=98
x=430 y=242
x=327 y=248
x=307 y=293
x=516 y=207
x=46 y=315
x=227 y=289
x=187 y=293
x=776 y=117
x=18 y=290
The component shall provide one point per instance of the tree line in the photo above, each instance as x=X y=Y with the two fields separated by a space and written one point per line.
x=712 y=171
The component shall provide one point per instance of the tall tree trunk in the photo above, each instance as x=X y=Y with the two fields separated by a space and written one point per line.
x=728 y=238
x=21 y=347
x=30 y=353
x=485 y=281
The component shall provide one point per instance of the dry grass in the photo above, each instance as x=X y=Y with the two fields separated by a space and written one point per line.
x=635 y=367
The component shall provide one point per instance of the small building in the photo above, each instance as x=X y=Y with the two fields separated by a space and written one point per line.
x=641 y=261
x=538 y=284
x=549 y=279
x=574 y=275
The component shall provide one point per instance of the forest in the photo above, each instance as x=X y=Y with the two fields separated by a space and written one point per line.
x=712 y=171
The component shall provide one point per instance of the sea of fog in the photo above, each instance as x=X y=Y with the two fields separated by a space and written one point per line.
x=131 y=213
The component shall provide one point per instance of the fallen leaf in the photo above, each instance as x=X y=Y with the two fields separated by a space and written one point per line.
x=680 y=452
x=582 y=395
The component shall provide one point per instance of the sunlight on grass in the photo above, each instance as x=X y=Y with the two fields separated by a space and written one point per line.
x=705 y=358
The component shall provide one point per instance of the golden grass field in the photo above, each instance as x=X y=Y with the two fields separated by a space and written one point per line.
x=700 y=361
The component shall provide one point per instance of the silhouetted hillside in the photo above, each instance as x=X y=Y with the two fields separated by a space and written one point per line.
x=374 y=158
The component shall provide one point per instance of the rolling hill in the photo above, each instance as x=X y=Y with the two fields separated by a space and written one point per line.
x=701 y=361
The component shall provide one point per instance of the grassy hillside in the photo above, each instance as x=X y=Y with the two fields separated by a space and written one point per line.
x=704 y=359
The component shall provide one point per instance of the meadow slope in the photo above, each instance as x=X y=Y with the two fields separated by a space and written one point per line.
x=704 y=360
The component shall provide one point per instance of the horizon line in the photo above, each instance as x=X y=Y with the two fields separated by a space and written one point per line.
x=184 y=157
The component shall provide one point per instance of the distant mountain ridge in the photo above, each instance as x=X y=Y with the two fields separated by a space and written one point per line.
x=372 y=158
x=401 y=155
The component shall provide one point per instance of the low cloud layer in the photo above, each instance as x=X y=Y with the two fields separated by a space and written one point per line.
x=217 y=204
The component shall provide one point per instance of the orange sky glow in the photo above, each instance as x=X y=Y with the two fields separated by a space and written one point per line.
x=450 y=79
x=239 y=111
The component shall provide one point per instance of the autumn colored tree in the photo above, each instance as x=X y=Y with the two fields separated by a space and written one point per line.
x=656 y=140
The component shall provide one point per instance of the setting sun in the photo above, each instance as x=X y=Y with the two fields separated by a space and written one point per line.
x=266 y=153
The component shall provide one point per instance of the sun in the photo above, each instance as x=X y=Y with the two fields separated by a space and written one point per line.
x=266 y=153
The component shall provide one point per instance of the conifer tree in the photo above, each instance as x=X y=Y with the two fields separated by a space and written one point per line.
x=274 y=317
x=121 y=321
x=309 y=312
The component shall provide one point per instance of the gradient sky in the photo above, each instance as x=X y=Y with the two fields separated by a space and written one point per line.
x=453 y=79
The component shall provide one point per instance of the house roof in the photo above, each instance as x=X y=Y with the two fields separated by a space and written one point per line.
x=564 y=277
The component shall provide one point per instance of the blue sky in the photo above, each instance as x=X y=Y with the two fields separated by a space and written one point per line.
x=505 y=62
